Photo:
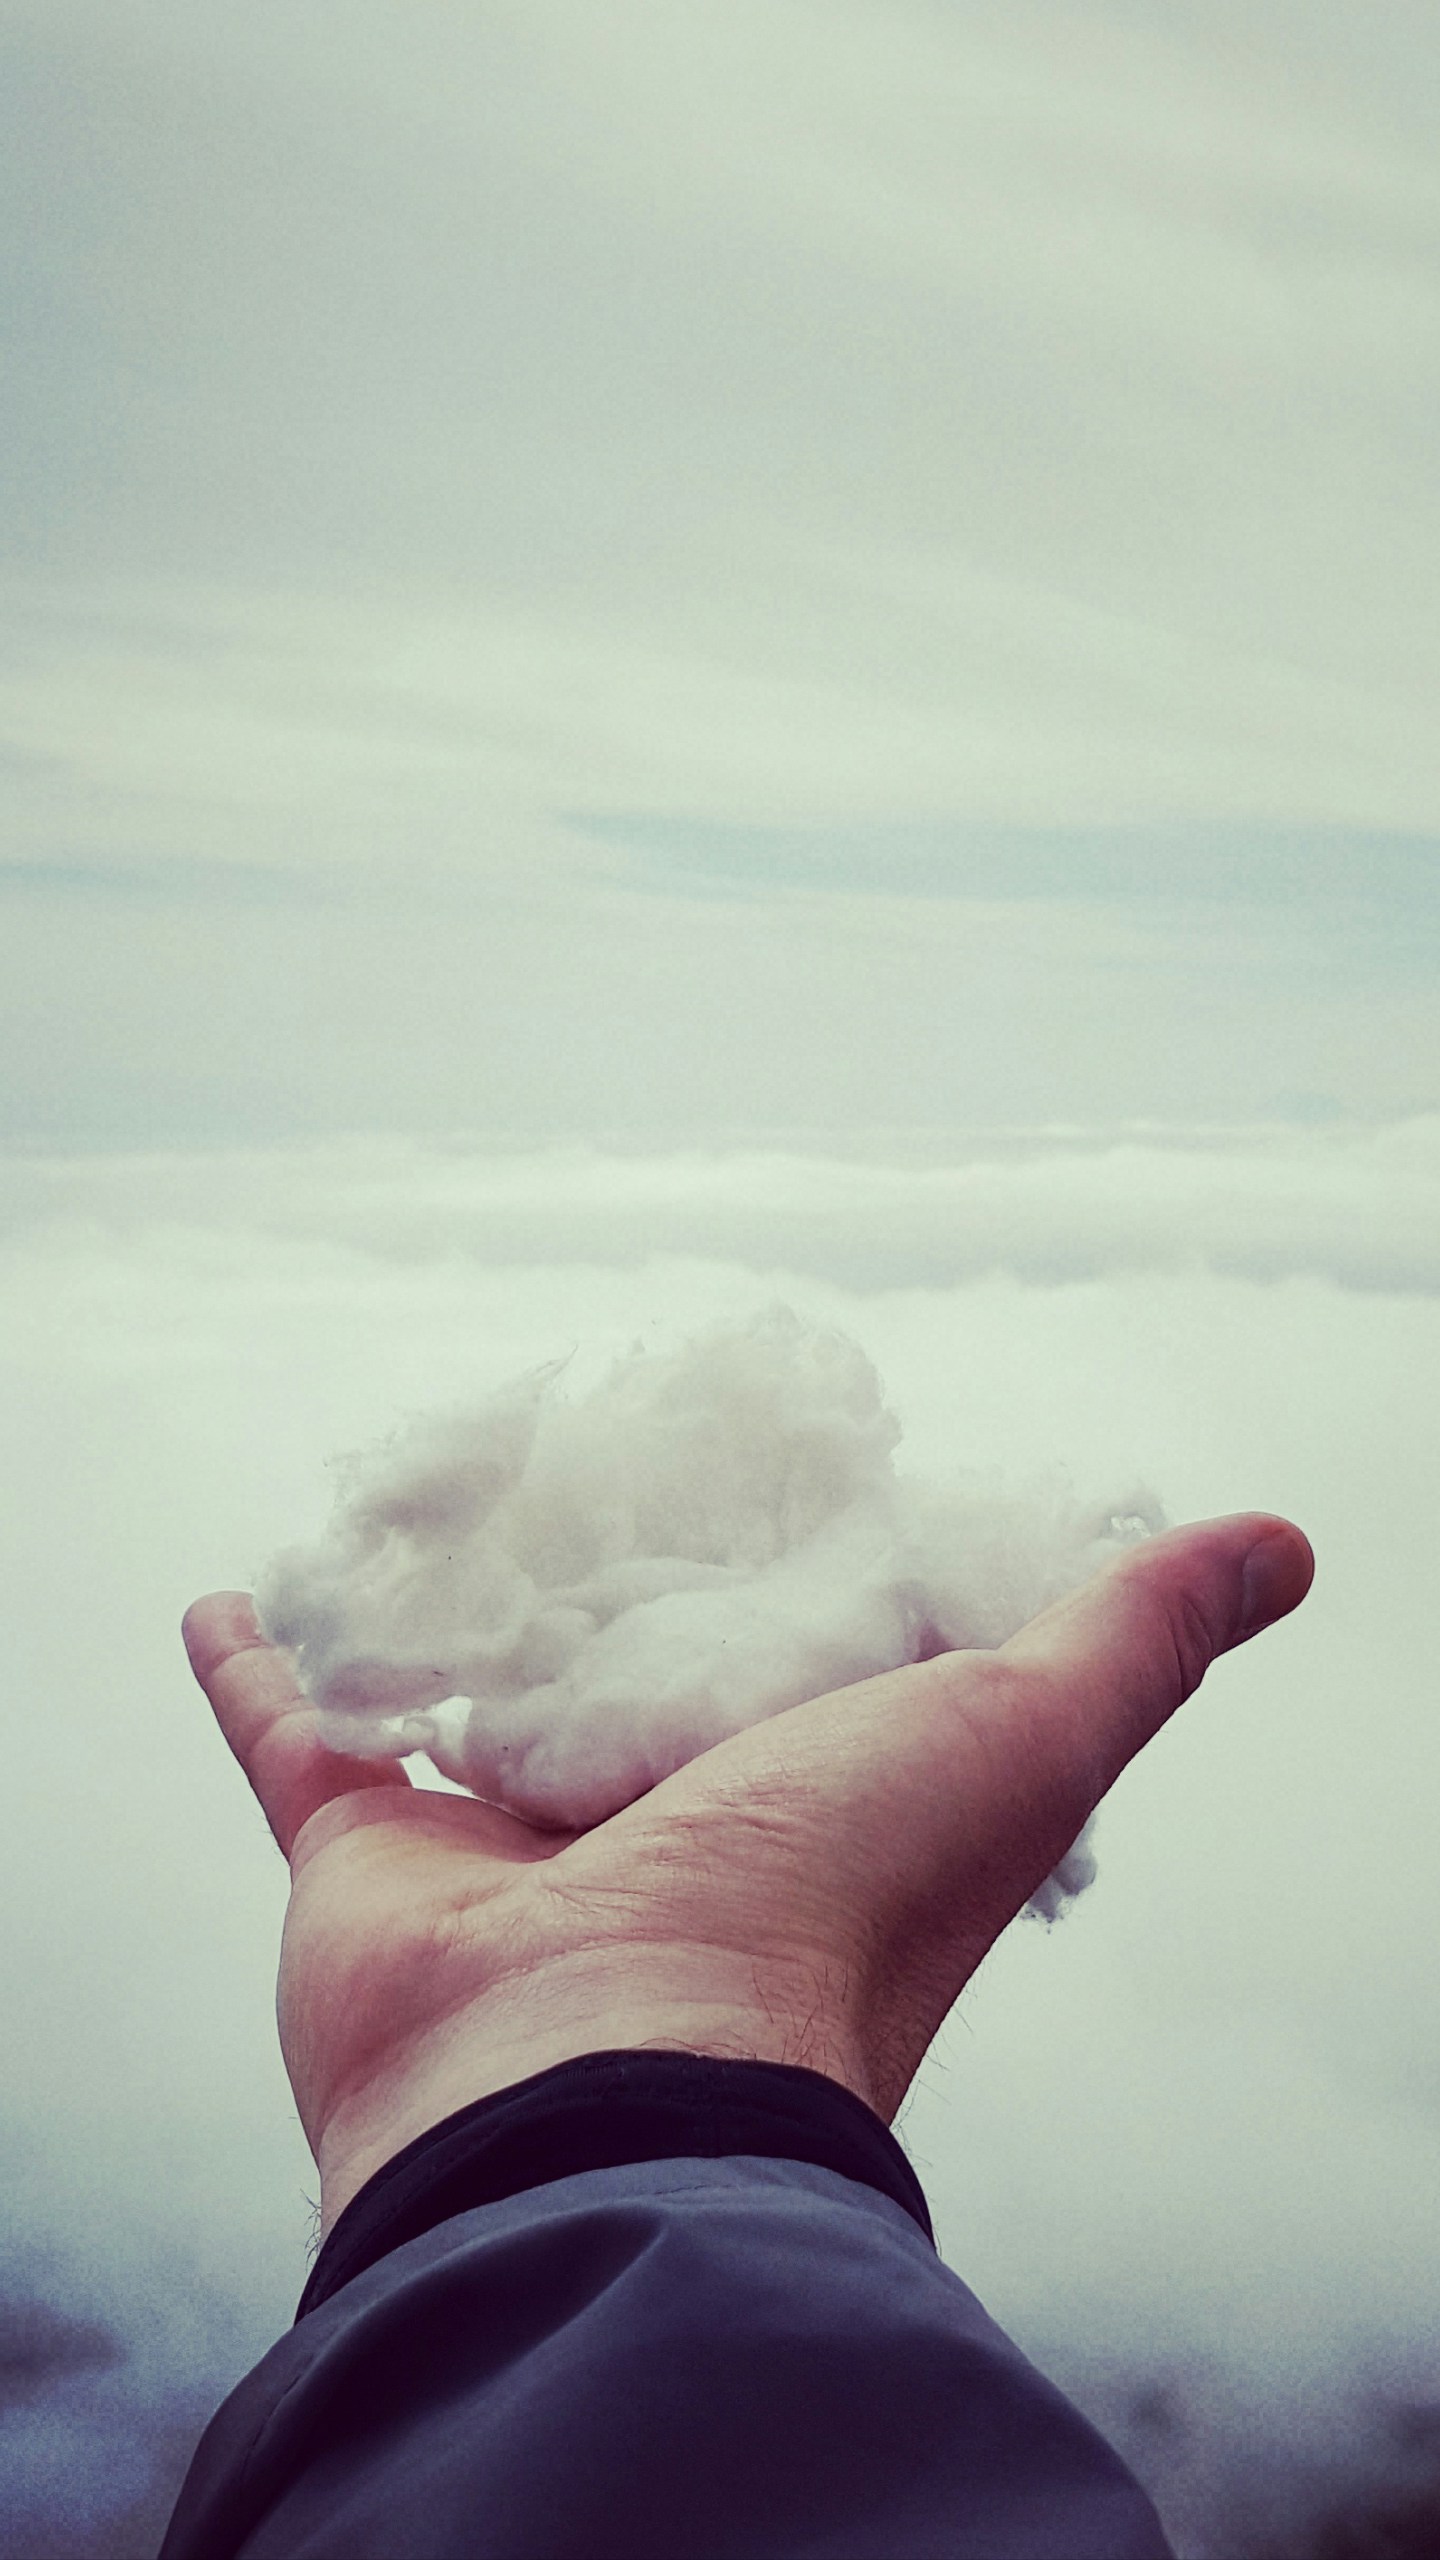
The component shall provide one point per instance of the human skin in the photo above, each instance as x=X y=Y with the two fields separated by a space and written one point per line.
x=817 y=1890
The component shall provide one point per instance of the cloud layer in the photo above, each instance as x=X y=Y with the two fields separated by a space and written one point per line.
x=1356 y=1205
x=457 y=466
x=823 y=411
x=1185 y=2144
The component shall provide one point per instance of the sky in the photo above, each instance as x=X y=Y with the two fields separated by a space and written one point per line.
x=663 y=657
x=887 y=550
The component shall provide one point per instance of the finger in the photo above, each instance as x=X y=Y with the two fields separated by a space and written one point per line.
x=1032 y=1736
x=265 y=1716
x=942 y=1795
x=1111 y=1662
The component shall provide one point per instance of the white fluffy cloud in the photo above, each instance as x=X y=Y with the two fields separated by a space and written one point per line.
x=563 y=1598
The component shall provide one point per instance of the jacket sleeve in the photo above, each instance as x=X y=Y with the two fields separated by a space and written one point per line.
x=712 y=2356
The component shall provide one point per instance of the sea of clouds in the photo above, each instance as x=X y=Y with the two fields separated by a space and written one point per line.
x=1185 y=2145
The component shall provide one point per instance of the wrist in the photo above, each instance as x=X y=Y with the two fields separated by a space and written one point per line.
x=576 y=2004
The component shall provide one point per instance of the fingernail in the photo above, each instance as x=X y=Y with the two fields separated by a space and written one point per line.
x=1271 y=1583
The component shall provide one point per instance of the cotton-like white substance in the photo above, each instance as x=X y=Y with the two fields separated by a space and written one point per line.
x=611 y=1584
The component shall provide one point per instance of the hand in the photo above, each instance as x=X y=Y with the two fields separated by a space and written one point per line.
x=817 y=1890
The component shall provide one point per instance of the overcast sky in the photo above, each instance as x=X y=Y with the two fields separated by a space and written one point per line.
x=664 y=653
x=700 y=569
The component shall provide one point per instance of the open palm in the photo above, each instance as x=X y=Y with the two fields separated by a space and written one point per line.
x=815 y=1890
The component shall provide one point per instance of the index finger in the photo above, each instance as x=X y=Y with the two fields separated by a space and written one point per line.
x=266 y=1718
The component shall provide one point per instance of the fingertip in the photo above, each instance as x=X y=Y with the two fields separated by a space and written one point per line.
x=224 y=1622
x=1278 y=1570
x=1224 y=1580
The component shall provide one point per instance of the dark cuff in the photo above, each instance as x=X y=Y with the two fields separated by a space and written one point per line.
x=603 y=2112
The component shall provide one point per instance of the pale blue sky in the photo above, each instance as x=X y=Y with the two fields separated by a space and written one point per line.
x=487 y=487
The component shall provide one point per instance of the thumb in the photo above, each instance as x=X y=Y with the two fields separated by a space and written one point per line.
x=882 y=1837
x=1108 y=1664
x=1001 y=1758
x=996 y=1761
x=921 y=1809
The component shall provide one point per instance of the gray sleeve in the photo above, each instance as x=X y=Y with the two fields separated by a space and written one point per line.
x=735 y=2359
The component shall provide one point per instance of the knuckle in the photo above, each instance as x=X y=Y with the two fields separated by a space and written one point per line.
x=1192 y=1637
